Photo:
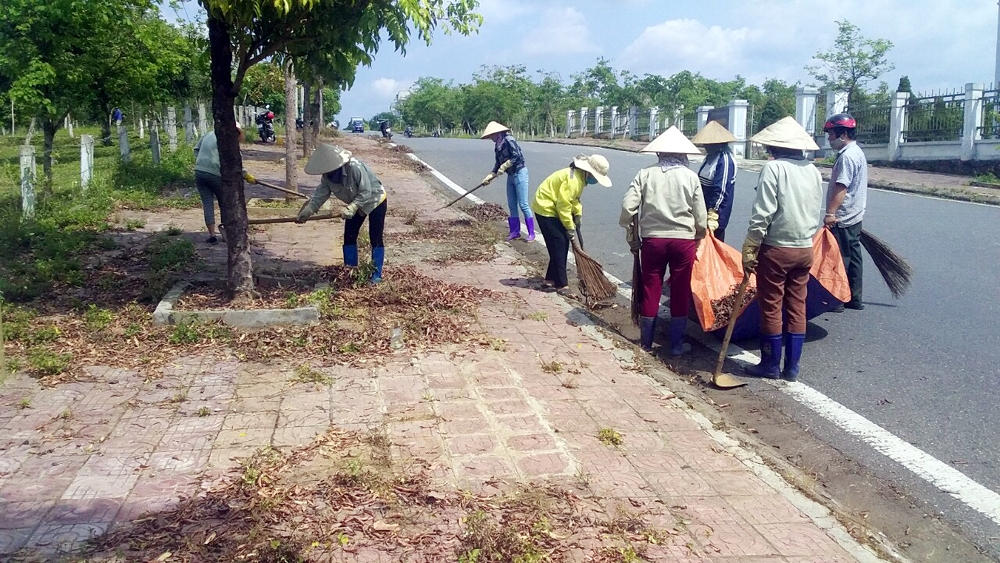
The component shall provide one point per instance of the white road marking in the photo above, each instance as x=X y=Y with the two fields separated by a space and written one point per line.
x=936 y=472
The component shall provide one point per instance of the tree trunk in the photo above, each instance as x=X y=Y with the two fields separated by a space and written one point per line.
x=316 y=119
x=307 y=138
x=49 y=128
x=239 y=281
x=291 y=148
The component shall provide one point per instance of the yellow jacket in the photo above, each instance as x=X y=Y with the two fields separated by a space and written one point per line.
x=559 y=196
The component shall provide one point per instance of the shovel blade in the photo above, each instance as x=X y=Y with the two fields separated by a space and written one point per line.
x=726 y=381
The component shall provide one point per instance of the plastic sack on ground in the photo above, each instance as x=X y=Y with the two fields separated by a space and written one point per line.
x=717 y=269
x=827 y=288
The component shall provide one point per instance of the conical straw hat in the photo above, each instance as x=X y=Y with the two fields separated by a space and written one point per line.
x=597 y=165
x=786 y=133
x=492 y=128
x=327 y=158
x=713 y=133
x=672 y=141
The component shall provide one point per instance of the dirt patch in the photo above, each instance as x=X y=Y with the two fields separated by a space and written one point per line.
x=347 y=496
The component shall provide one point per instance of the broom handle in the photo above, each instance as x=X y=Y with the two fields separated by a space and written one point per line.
x=459 y=198
x=290 y=219
x=280 y=189
x=737 y=306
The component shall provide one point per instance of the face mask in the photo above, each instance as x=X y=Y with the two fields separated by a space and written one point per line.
x=591 y=180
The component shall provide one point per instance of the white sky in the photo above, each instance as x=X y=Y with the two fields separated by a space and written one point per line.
x=939 y=44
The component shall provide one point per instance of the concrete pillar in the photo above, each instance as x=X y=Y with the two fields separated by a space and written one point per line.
x=633 y=121
x=615 y=118
x=598 y=120
x=702 y=113
x=973 y=110
x=154 y=144
x=897 y=124
x=172 y=128
x=86 y=160
x=654 y=130
x=737 y=119
x=805 y=108
x=28 y=175
x=189 y=132
x=583 y=121
x=203 y=119
x=570 y=122
x=836 y=102
x=679 y=117
x=142 y=127
x=123 y=144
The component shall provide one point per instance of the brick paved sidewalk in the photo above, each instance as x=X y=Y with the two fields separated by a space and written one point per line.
x=88 y=456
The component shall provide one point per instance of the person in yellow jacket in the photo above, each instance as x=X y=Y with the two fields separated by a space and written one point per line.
x=558 y=210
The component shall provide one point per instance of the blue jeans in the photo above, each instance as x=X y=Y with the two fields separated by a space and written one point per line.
x=517 y=193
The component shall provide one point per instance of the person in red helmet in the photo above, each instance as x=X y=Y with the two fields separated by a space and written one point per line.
x=847 y=197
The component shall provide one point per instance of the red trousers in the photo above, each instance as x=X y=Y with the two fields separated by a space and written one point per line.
x=782 y=277
x=655 y=256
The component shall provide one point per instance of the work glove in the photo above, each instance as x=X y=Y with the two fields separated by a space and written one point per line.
x=750 y=250
x=489 y=178
x=713 y=219
x=578 y=221
x=249 y=178
x=350 y=211
x=503 y=167
x=571 y=234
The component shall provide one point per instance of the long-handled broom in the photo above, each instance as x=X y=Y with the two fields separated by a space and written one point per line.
x=593 y=283
x=895 y=271
x=636 y=276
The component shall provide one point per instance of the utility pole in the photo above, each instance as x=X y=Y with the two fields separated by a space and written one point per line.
x=996 y=72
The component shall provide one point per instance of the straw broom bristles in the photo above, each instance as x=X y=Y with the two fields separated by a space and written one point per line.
x=592 y=280
x=895 y=271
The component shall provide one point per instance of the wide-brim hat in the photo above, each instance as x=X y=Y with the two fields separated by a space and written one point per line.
x=671 y=141
x=596 y=165
x=713 y=133
x=494 y=128
x=327 y=158
x=786 y=133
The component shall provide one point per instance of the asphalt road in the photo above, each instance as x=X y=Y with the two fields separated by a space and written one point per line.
x=924 y=367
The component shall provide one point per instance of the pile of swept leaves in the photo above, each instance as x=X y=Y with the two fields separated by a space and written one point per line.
x=344 y=496
x=55 y=341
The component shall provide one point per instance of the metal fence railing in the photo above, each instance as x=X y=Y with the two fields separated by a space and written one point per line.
x=989 y=127
x=873 y=123
x=935 y=118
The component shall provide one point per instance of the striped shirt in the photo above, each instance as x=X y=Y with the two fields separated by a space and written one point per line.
x=508 y=149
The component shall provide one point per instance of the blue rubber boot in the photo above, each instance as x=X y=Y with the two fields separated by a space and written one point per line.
x=678 y=325
x=647 y=329
x=770 y=358
x=793 y=352
x=351 y=255
x=378 y=258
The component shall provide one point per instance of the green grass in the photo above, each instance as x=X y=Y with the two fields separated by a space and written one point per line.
x=69 y=222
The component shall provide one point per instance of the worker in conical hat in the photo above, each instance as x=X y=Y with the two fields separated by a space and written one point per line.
x=672 y=220
x=505 y=148
x=786 y=213
x=717 y=175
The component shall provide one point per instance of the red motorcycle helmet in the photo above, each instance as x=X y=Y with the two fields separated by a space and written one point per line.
x=270 y=115
x=840 y=120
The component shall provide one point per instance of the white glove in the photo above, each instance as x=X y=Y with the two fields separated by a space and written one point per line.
x=350 y=211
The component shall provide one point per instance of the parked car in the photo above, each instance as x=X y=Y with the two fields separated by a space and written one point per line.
x=357 y=125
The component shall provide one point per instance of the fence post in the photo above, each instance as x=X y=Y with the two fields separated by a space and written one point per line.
x=598 y=121
x=172 y=128
x=702 y=113
x=142 y=127
x=583 y=121
x=69 y=125
x=653 y=129
x=86 y=160
x=679 y=117
x=188 y=125
x=737 y=122
x=631 y=129
x=123 y=143
x=154 y=144
x=27 y=181
x=973 y=109
x=897 y=124
x=202 y=119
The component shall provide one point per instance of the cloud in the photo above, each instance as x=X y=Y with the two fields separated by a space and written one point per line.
x=389 y=87
x=560 y=32
x=676 y=45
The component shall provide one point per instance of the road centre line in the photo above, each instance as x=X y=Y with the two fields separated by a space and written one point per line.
x=939 y=474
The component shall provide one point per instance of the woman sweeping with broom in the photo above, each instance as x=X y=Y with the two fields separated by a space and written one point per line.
x=672 y=219
x=558 y=210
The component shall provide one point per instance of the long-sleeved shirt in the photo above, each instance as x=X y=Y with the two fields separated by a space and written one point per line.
x=206 y=154
x=669 y=203
x=718 y=178
x=358 y=185
x=789 y=204
x=559 y=196
x=508 y=149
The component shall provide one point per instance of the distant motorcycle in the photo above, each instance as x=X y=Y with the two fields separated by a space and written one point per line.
x=386 y=130
x=265 y=126
x=408 y=132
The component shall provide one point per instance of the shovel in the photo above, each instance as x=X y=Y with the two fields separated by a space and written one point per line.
x=724 y=380
x=503 y=168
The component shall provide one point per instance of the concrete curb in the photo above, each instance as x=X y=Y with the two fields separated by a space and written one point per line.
x=253 y=318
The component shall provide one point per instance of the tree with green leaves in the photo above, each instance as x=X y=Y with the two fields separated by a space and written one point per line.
x=242 y=34
x=852 y=62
